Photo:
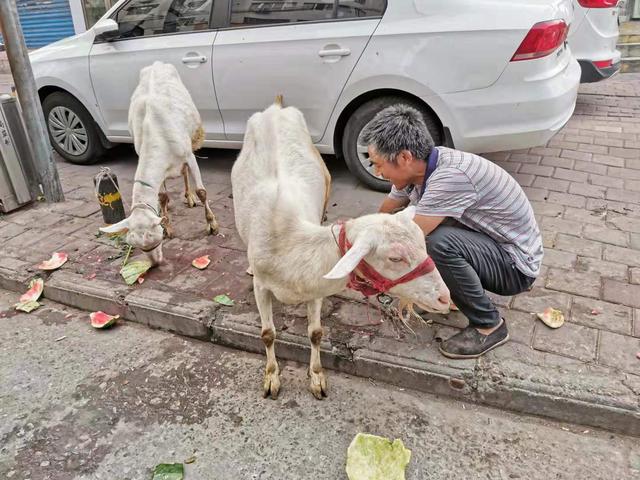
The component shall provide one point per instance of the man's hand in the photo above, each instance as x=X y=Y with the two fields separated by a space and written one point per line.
x=391 y=204
x=428 y=224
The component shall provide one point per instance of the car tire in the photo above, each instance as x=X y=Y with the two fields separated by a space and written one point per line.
x=356 y=123
x=72 y=130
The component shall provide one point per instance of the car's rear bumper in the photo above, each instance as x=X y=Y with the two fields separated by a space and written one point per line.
x=591 y=73
x=518 y=111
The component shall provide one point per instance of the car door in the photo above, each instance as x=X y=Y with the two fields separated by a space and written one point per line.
x=304 y=50
x=172 y=31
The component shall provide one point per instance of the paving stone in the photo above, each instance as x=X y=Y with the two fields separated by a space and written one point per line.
x=621 y=292
x=568 y=199
x=610 y=142
x=10 y=230
x=619 y=351
x=537 y=299
x=520 y=326
x=600 y=268
x=554 y=152
x=624 y=152
x=608 y=160
x=624 y=222
x=604 y=234
x=633 y=185
x=541 y=170
x=634 y=275
x=634 y=241
x=576 y=155
x=636 y=322
x=570 y=175
x=587 y=190
x=551 y=184
x=626 y=256
x=547 y=209
x=623 y=195
x=584 y=216
x=580 y=246
x=570 y=340
x=563 y=163
x=535 y=193
x=524 y=158
x=585 y=147
x=590 y=167
x=601 y=315
x=586 y=284
x=549 y=239
x=511 y=167
x=561 y=225
x=524 y=179
x=604 y=181
x=626 y=173
x=559 y=259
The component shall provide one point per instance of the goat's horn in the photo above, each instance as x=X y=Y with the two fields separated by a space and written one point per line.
x=279 y=100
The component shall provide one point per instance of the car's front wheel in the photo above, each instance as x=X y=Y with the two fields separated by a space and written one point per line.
x=354 y=150
x=72 y=131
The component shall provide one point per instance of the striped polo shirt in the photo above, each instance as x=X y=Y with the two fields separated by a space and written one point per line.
x=485 y=198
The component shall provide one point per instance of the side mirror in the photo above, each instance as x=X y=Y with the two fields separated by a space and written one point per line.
x=106 y=28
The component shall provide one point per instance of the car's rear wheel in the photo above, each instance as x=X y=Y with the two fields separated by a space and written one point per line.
x=72 y=131
x=355 y=152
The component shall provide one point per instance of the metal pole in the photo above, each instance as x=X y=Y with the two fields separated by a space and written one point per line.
x=17 y=54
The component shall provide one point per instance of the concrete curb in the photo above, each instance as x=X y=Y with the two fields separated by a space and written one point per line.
x=506 y=379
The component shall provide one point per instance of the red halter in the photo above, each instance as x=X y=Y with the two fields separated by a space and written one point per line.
x=370 y=282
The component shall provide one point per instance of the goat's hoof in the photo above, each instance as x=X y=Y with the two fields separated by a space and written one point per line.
x=190 y=199
x=212 y=229
x=271 y=385
x=318 y=385
x=168 y=232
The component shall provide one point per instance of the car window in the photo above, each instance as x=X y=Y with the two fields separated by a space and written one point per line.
x=144 y=18
x=251 y=12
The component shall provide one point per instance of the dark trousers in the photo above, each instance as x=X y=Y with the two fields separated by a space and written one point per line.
x=471 y=262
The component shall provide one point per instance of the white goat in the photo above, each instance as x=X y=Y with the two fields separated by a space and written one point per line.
x=280 y=189
x=166 y=129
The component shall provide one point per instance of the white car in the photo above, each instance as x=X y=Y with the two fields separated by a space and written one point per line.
x=593 y=37
x=488 y=75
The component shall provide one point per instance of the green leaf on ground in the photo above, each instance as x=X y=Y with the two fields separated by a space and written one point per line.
x=132 y=270
x=168 y=471
x=224 y=300
x=370 y=457
x=28 y=306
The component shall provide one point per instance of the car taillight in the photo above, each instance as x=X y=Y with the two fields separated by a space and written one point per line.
x=598 y=3
x=543 y=39
x=603 y=63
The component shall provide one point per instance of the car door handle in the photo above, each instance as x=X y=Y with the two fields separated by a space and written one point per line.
x=334 y=52
x=194 y=59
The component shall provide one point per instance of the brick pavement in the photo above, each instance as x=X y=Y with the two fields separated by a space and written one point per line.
x=585 y=189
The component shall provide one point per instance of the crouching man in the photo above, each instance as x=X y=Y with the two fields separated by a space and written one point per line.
x=480 y=228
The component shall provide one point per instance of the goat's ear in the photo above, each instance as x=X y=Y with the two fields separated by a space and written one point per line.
x=351 y=259
x=116 y=227
x=408 y=212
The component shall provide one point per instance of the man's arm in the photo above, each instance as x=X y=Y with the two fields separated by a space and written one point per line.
x=391 y=204
x=428 y=224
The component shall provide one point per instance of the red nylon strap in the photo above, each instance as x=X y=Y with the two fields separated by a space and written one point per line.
x=370 y=282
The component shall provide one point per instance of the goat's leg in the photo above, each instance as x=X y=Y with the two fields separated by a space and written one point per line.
x=190 y=198
x=212 y=224
x=318 y=385
x=271 y=385
x=163 y=199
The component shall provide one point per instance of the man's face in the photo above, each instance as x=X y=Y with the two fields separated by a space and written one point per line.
x=397 y=173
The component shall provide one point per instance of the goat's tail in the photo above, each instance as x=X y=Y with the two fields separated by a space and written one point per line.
x=279 y=100
x=197 y=139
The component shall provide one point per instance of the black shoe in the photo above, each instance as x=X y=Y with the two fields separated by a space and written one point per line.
x=470 y=343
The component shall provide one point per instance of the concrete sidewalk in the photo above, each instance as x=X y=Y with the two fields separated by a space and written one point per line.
x=585 y=188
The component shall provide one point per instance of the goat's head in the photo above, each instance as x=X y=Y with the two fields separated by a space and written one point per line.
x=144 y=231
x=394 y=245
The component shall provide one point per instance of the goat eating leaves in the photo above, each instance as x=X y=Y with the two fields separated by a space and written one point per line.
x=280 y=190
x=166 y=129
